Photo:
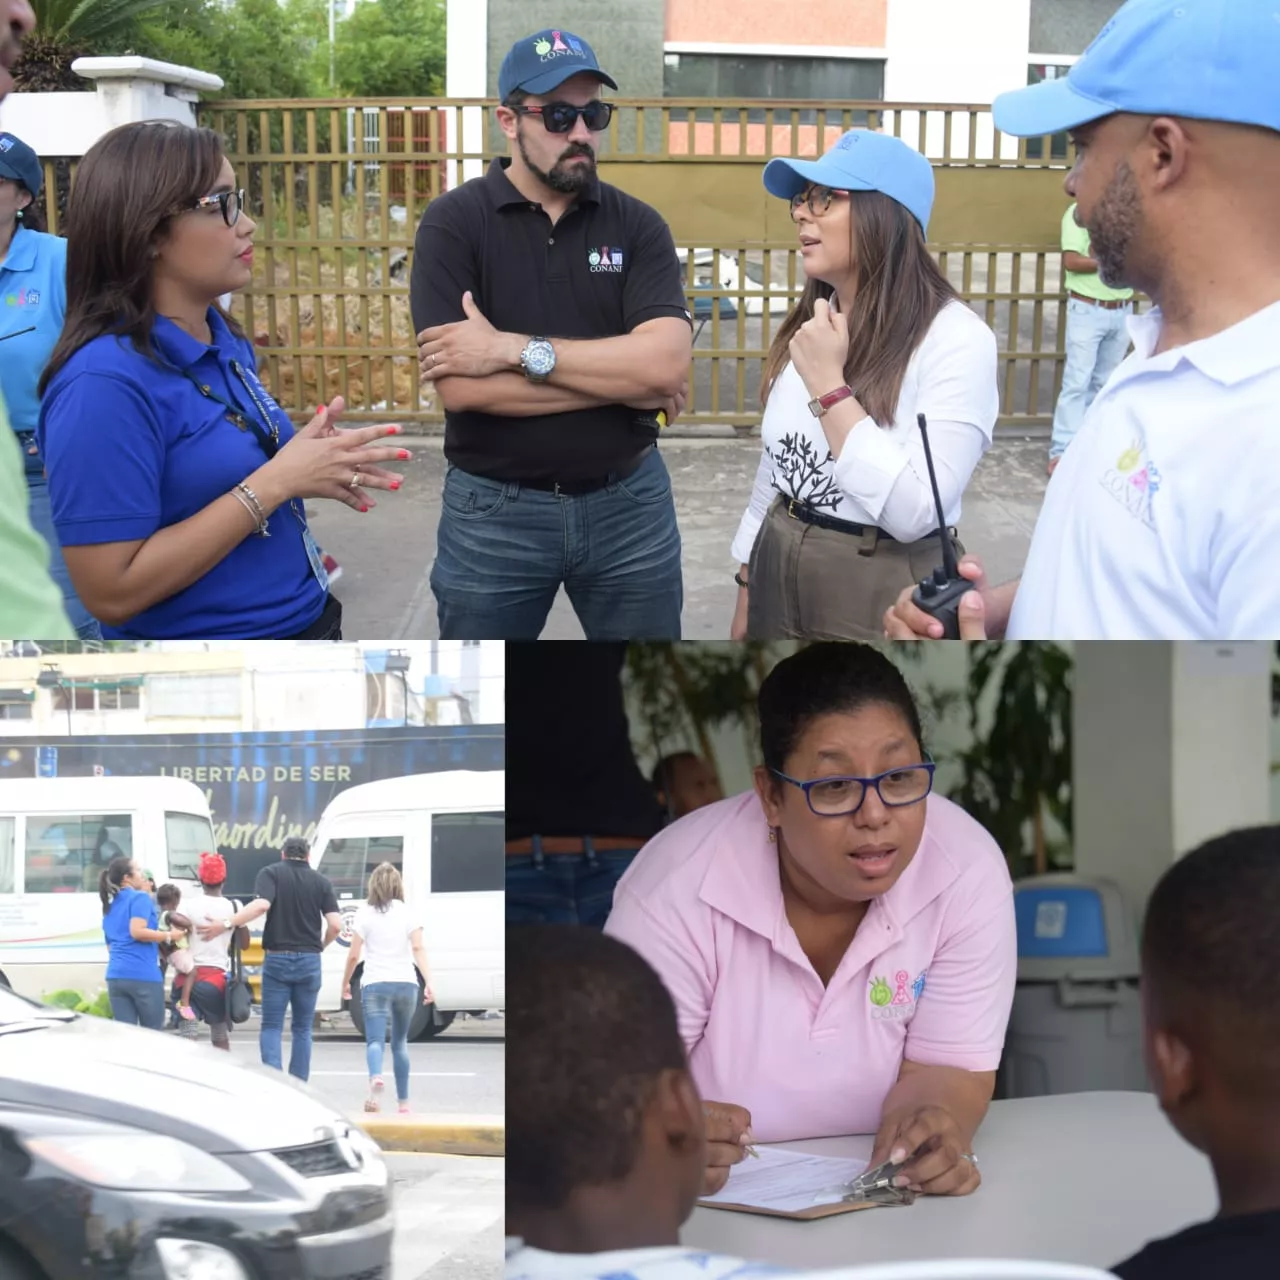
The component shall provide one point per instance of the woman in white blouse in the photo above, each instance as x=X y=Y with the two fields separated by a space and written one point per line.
x=842 y=516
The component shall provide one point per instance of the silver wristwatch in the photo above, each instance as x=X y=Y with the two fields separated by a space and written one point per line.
x=538 y=359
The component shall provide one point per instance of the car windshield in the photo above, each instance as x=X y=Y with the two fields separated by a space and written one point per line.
x=15 y=1008
x=188 y=836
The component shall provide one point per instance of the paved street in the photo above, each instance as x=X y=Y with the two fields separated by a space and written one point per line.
x=449 y=1212
x=460 y=1072
x=387 y=554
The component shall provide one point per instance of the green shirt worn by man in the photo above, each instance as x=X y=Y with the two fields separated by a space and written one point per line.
x=30 y=602
x=1075 y=239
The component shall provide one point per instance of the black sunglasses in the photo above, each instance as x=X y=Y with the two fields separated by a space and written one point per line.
x=560 y=117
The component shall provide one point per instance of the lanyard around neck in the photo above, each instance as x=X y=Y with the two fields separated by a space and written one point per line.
x=267 y=430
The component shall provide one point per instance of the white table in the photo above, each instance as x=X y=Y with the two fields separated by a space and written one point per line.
x=1086 y=1178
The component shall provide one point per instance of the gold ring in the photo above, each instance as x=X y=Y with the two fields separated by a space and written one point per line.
x=434 y=357
x=355 y=479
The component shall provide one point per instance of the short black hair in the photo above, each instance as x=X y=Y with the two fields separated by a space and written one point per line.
x=822 y=679
x=664 y=771
x=516 y=98
x=296 y=847
x=590 y=1027
x=168 y=893
x=1211 y=946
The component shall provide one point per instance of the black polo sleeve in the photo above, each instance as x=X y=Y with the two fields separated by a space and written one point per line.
x=653 y=285
x=444 y=267
x=266 y=884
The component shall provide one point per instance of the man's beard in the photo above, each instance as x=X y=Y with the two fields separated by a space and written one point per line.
x=569 y=179
x=1115 y=222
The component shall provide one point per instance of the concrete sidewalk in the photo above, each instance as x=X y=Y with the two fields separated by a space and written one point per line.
x=386 y=555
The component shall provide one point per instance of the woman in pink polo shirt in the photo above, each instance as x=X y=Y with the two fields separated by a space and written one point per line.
x=839 y=943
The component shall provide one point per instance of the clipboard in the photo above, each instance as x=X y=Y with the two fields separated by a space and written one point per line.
x=801 y=1215
x=871 y=1189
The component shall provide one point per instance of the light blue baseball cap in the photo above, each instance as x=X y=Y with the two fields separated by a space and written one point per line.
x=1204 y=59
x=862 y=160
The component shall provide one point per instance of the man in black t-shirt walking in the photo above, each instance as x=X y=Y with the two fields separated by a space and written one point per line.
x=553 y=323
x=297 y=901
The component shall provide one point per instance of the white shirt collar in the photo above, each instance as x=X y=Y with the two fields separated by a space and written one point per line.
x=1234 y=355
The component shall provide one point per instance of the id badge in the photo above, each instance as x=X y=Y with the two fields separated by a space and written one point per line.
x=317 y=561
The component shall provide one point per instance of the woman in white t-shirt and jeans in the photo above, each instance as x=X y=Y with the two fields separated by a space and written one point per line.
x=842 y=516
x=390 y=941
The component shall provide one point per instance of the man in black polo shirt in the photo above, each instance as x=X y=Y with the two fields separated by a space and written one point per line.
x=296 y=900
x=552 y=321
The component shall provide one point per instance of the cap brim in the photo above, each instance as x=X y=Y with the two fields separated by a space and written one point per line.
x=1048 y=107
x=549 y=80
x=786 y=178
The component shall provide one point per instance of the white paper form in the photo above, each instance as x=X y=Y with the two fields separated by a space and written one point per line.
x=787 y=1181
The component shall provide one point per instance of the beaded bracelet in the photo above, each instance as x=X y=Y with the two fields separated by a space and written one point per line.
x=249 y=500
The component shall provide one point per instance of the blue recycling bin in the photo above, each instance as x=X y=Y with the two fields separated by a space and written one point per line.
x=1076 y=1024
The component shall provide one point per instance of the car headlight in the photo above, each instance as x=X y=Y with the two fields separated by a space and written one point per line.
x=137 y=1162
x=194 y=1260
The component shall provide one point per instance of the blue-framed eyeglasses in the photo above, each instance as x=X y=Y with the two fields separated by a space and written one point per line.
x=838 y=797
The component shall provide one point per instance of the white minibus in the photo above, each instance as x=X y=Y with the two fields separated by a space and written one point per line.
x=445 y=833
x=57 y=836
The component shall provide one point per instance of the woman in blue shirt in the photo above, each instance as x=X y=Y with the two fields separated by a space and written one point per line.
x=177 y=481
x=135 y=983
x=33 y=301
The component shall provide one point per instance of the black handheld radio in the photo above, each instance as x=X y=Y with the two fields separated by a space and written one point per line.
x=939 y=594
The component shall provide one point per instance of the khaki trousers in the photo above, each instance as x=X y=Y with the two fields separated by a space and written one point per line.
x=809 y=583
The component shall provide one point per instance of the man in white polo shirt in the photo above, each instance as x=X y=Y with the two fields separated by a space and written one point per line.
x=1163 y=519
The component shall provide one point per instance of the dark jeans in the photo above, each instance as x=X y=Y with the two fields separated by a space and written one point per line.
x=87 y=627
x=503 y=552
x=394 y=1003
x=289 y=979
x=565 y=888
x=137 y=1002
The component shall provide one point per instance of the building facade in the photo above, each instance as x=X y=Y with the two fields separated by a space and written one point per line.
x=177 y=687
x=932 y=51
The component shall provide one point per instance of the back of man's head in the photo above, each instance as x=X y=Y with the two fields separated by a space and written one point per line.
x=296 y=847
x=599 y=1099
x=1211 y=984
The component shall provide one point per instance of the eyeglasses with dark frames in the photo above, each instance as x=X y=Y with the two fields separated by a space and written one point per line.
x=230 y=202
x=560 y=117
x=818 y=200
x=839 y=796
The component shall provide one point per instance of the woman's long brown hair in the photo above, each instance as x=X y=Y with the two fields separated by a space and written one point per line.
x=130 y=185
x=900 y=292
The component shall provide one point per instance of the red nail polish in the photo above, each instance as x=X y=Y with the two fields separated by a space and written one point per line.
x=403 y=455
x=320 y=409
x=395 y=484
x=364 y=510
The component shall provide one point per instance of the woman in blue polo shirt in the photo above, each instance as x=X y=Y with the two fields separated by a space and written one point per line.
x=177 y=481
x=135 y=984
x=33 y=300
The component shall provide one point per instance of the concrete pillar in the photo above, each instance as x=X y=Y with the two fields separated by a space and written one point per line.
x=1172 y=746
x=128 y=89
x=938 y=53
x=466 y=76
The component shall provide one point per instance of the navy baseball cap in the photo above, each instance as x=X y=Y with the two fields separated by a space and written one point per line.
x=861 y=161
x=18 y=161
x=1204 y=59
x=544 y=61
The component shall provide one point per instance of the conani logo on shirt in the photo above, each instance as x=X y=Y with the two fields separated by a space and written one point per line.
x=896 y=1002
x=23 y=298
x=605 y=259
x=1134 y=481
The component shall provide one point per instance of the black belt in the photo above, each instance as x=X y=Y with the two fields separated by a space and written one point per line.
x=590 y=484
x=798 y=510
